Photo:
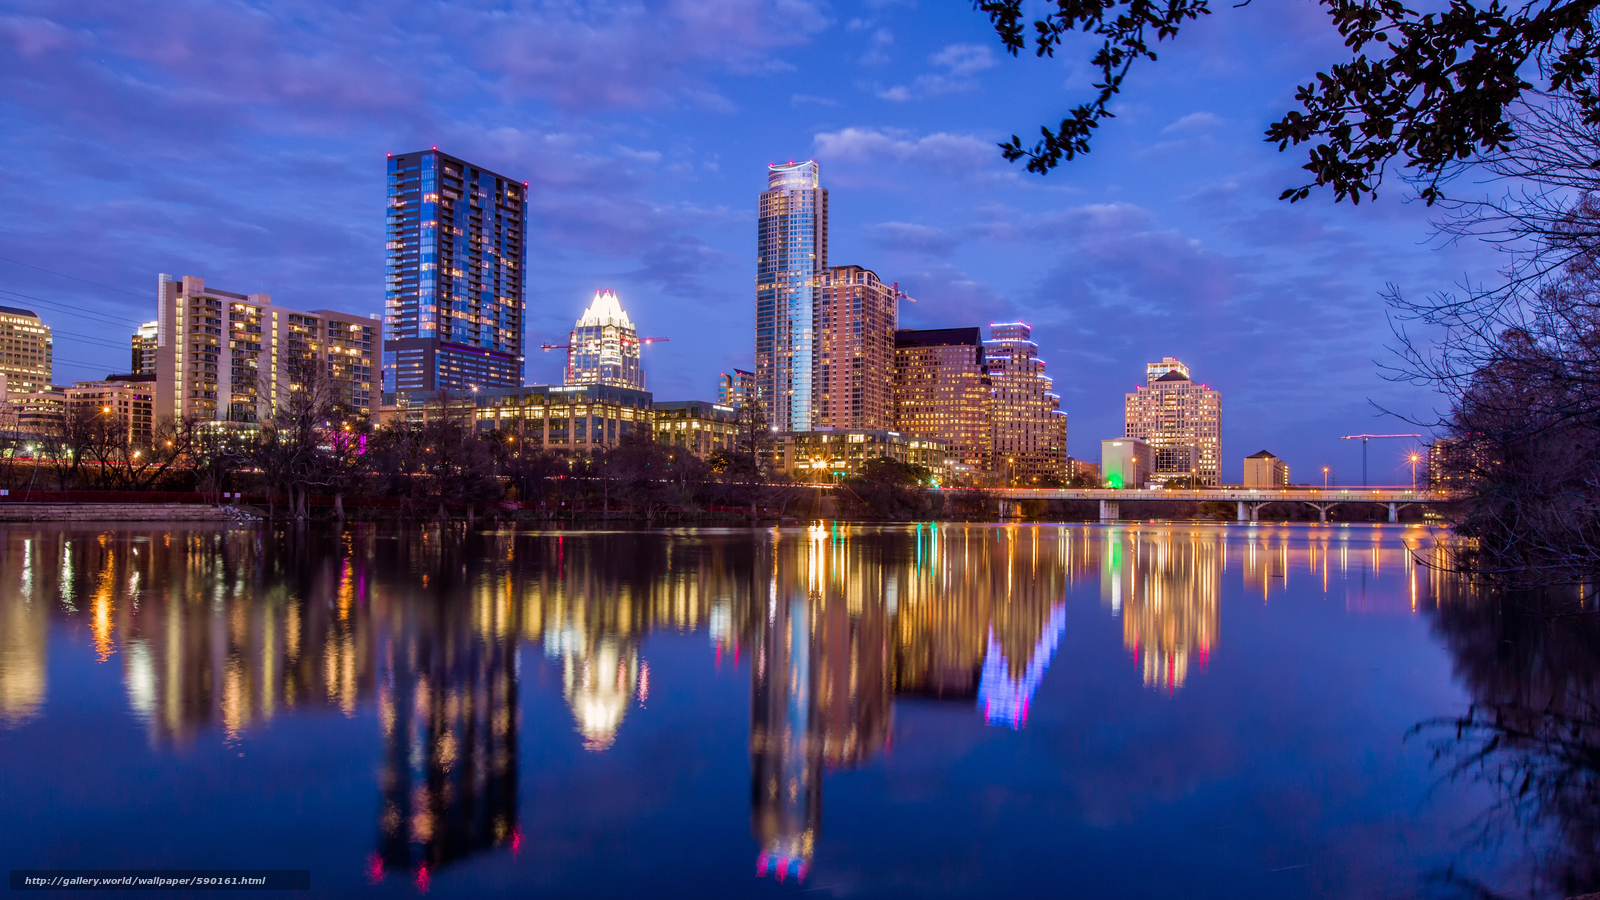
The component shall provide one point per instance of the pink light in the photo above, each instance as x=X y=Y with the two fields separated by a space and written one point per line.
x=424 y=878
x=374 y=868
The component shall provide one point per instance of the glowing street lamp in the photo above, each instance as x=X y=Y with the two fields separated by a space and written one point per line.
x=1324 y=477
x=1413 y=459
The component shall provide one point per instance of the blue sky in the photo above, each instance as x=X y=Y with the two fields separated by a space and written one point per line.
x=245 y=142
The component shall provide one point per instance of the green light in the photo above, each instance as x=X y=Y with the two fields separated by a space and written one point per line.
x=1115 y=480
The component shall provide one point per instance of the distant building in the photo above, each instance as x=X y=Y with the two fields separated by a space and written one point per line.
x=696 y=426
x=942 y=391
x=826 y=455
x=1180 y=420
x=791 y=259
x=737 y=388
x=1265 y=470
x=27 y=351
x=1029 y=429
x=604 y=346
x=855 y=323
x=454 y=307
x=36 y=413
x=1082 y=468
x=127 y=399
x=144 y=349
x=1125 y=462
x=223 y=356
x=570 y=419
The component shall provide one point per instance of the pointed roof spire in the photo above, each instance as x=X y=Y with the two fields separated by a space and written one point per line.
x=605 y=309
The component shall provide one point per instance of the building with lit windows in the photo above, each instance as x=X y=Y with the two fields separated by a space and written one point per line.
x=1125 y=463
x=574 y=418
x=27 y=351
x=228 y=357
x=604 y=346
x=856 y=315
x=128 y=400
x=144 y=349
x=454 y=301
x=696 y=426
x=736 y=388
x=1029 y=429
x=1181 y=421
x=791 y=261
x=1265 y=470
x=824 y=455
x=942 y=391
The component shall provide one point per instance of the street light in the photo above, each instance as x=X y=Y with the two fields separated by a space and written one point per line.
x=1414 y=457
x=1324 y=477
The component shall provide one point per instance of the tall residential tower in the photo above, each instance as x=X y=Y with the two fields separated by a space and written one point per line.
x=1030 y=430
x=27 y=351
x=455 y=298
x=853 y=385
x=791 y=258
x=1181 y=421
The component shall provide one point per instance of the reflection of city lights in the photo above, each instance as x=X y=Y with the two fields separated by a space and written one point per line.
x=781 y=866
x=1004 y=699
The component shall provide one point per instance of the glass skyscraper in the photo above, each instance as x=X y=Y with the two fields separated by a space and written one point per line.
x=455 y=302
x=792 y=256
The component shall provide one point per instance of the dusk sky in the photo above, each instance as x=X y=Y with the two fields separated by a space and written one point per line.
x=245 y=143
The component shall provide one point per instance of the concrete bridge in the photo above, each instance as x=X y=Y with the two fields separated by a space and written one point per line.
x=1248 y=501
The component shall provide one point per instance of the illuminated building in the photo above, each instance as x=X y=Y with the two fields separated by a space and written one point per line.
x=828 y=455
x=697 y=426
x=1265 y=470
x=1083 y=469
x=27 y=351
x=1125 y=462
x=1029 y=429
x=144 y=349
x=126 y=399
x=222 y=356
x=855 y=325
x=36 y=412
x=791 y=260
x=942 y=390
x=457 y=252
x=736 y=388
x=1180 y=420
x=576 y=418
x=604 y=346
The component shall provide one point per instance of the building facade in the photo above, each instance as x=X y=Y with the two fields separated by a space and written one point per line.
x=1126 y=462
x=853 y=386
x=1029 y=430
x=230 y=357
x=942 y=391
x=791 y=259
x=454 y=303
x=696 y=426
x=144 y=349
x=737 y=388
x=1181 y=421
x=827 y=455
x=27 y=351
x=604 y=346
x=574 y=418
x=126 y=399
x=1265 y=470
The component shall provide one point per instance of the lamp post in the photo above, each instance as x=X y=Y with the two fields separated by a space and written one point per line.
x=1414 y=458
x=1324 y=477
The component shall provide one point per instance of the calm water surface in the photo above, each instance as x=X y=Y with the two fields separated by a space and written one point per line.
x=958 y=711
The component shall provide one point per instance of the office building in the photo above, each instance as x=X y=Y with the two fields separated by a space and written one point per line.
x=824 y=455
x=225 y=356
x=27 y=351
x=696 y=426
x=575 y=418
x=791 y=260
x=1125 y=463
x=128 y=400
x=1265 y=470
x=737 y=388
x=457 y=252
x=853 y=386
x=1082 y=469
x=1028 y=427
x=942 y=391
x=144 y=349
x=1181 y=421
x=604 y=346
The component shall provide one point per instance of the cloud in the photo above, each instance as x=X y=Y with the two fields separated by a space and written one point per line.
x=878 y=53
x=942 y=151
x=964 y=59
x=1194 y=122
x=804 y=99
x=907 y=237
x=897 y=94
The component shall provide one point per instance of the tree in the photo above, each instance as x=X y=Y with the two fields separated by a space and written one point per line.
x=1435 y=88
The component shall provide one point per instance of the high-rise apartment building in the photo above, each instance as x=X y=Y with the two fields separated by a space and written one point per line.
x=736 y=388
x=223 y=356
x=1028 y=427
x=604 y=346
x=791 y=259
x=128 y=400
x=853 y=386
x=942 y=390
x=144 y=349
x=1180 y=420
x=455 y=302
x=27 y=351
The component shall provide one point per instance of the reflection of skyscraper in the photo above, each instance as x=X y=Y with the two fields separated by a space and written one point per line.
x=1168 y=593
x=24 y=634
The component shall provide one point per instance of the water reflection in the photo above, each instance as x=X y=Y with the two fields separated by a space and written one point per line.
x=220 y=631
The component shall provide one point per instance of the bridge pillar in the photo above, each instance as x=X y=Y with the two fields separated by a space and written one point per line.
x=1394 y=512
x=1241 y=516
x=1109 y=510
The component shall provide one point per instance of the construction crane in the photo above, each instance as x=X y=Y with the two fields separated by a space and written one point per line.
x=548 y=347
x=1363 y=438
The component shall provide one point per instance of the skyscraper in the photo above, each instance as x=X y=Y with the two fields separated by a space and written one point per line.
x=791 y=258
x=1180 y=420
x=27 y=351
x=144 y=349
x=455 y=299
x=736 y=388
x=853 y=386
x=942 y=390
x=1029 y=428
x=604 y=346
